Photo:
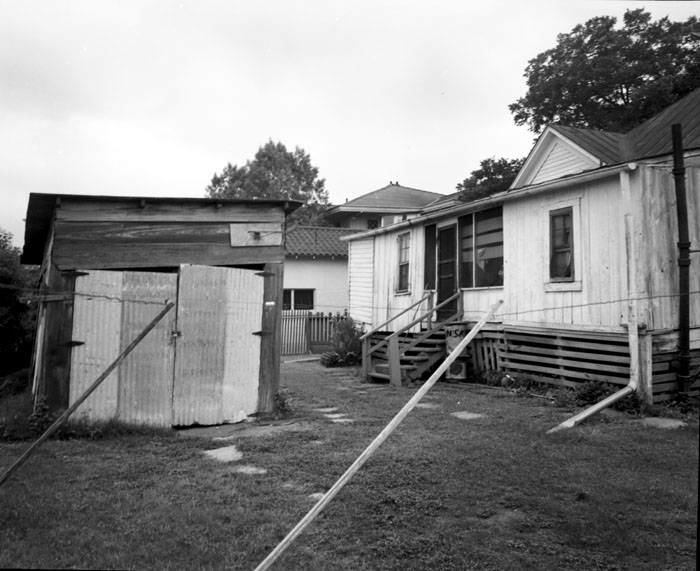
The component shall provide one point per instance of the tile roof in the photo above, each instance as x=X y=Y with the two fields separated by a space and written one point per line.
x=393 y=197
x=317 y=241
x=650 y=139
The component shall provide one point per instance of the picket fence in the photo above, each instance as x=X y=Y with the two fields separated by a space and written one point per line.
x=304 y=331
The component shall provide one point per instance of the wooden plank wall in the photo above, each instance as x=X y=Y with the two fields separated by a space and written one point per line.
x=360 y=279
x=120 y=235
x=665 y=364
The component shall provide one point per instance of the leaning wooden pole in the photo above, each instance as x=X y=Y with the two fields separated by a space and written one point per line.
x=376 y=443
x=71 y=409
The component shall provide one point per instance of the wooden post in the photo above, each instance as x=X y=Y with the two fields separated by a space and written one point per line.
x=394 y=361
x=645 y=389
x=366 y=364
x=271 y=341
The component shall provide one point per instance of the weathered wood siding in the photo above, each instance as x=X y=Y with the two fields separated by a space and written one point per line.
x=115 y=235
x=360 y=279
x=599 y=259
x=656 y=233
x=559 y=161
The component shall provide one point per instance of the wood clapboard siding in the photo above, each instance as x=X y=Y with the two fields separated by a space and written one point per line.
x=599 y=255
x=657 y=267
x=360 y=279
x=561 y=160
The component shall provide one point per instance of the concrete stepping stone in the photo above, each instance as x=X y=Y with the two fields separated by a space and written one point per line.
x=342 y=420
x=466 y=415
x=334 y=415
x=327 y=409
x=225 y=454
x=660 y=422
x=250 y=470
x=428 y=405
x=316 y=496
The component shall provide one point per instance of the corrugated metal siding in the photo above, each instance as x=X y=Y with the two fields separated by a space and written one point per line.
x=146 y=375
x=199 y=361
x=97 y=323
x=360 y=279
x=561 y=160
x=244 y=307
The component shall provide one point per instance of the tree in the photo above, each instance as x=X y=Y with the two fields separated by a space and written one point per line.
x=493 y=175
x=278 y=174
x=602 y=77
x=17 y=319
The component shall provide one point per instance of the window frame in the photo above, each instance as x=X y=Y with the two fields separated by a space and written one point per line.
x=292 y=299
x=403 y=265
x=471 y=220
x=571 y=248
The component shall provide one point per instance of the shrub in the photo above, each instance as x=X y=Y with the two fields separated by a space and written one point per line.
x=347 y=347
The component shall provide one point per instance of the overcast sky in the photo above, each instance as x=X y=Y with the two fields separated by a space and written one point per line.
x=151 y=98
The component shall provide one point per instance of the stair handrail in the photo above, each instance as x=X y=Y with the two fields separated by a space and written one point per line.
x=414 y=322
x=409 y=308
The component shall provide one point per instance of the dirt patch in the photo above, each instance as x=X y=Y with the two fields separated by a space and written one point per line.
x=229 y=432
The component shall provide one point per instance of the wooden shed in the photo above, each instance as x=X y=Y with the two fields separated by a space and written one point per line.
x=109 y=264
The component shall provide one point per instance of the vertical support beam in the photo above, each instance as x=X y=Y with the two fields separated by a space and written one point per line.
x=683 y=260
x=53 y=379
x=366 y=364
x=271 y=343
x=394 y=361
x=645 y=389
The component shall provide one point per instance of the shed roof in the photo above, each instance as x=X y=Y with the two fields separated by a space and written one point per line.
x=390 y=198
x=318 y=241
x=41 y=206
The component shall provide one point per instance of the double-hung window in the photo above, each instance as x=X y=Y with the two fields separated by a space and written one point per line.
x=561 y=245
x=404 y=241
x=481 y=249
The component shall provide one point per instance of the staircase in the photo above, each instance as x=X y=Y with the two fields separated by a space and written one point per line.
x=401 y=356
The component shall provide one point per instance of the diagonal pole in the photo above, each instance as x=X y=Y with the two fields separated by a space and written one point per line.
x=71 y=409
x=383 y=435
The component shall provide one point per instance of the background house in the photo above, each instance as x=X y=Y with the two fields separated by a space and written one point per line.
x=387 y=205
x=108 y=266
x=581 y=245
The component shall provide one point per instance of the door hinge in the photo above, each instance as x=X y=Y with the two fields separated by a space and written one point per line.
x=72 y=343
x=174 y=333
x=261 y=333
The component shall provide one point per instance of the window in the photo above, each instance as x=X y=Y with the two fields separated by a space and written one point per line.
x=404 y=245
x=372 y=223
x=298 y=299
x=481 y=249
x=561 y=245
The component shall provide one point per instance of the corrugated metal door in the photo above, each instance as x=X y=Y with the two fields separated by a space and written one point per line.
x=110 y=310
x=146 y=376
x=97 y=326
x=217 y=355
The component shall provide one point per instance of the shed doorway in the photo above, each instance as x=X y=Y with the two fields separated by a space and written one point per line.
x=201 y=363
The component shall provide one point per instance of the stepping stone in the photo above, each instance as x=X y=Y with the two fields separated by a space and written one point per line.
x=249 y=469
x=342 y=420
x=427 y=405
x=660 y=422
x=465 y=415
x=327 y=409
x=225 y=454
x=317 y=496
x=335 y=415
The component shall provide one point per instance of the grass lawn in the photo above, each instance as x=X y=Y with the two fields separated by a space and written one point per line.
x=493 y=492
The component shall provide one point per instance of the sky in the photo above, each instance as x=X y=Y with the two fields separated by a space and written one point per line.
x=151 y=98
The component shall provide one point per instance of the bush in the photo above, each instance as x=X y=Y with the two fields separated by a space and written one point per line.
x=347 y=347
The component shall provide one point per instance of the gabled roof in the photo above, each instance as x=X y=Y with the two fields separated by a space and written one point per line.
x=392 y=198
x=317 y=241
x=589 y=148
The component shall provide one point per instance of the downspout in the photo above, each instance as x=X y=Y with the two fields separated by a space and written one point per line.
x=683 y=260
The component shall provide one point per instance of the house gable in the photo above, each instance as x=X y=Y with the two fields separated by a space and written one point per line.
x=554 y=156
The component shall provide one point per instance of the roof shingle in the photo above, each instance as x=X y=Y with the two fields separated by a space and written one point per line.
x=317 y=241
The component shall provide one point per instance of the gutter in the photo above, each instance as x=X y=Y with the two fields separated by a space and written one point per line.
x=504 y=196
